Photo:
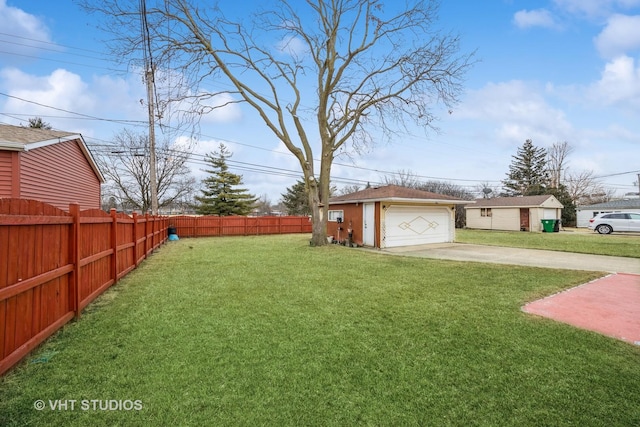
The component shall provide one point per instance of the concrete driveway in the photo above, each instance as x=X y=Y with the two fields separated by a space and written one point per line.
x=515 y=256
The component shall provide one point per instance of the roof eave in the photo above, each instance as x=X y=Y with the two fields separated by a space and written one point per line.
x=403 y=200
x=12 y=146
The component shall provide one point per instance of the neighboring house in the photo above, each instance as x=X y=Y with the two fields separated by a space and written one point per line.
x=585 y=213
x=522 y=213
x=51 y=166
x=391 y=216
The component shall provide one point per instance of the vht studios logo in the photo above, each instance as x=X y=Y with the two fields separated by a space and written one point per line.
x=88 y=405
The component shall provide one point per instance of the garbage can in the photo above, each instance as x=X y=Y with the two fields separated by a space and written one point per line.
x=547 y=225
x=556 y=226
x=171 y=230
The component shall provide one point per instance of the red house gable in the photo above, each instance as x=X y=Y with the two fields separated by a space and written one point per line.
x=51 y=166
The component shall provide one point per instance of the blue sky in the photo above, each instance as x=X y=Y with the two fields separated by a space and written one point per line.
x=548 y=70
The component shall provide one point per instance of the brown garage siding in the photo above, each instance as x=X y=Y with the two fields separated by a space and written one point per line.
x=352 y=217
x=59 y=174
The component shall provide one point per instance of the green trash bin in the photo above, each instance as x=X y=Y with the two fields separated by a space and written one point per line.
x=547 y=225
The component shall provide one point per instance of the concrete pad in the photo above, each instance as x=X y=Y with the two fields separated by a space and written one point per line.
x=515 y=256
x=610 y=306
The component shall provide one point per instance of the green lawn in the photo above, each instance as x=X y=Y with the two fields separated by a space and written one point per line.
x=270 y=331
x=625 y=245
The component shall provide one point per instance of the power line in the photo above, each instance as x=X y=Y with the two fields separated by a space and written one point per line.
x=121 y=121
x=362 y=168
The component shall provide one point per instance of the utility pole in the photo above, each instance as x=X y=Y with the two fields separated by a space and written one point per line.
x=639 y=185
x=152 y=142
x=149 y=78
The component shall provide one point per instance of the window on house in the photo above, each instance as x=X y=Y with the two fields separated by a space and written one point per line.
x=485 y=211
x=334 y=215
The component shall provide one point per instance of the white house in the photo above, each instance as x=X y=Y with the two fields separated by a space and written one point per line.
x=585 y=213
x=523 y=213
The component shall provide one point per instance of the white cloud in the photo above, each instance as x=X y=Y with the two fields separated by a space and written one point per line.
x=621 y=35
x=595 y=9
x=534 y=18
x=293 y=46
x=21 y=29
x=61 y=89
x=516 y=111
x=221 y=108
x=619 y=84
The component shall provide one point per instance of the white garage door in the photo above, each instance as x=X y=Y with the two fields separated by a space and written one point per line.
x=415 y=225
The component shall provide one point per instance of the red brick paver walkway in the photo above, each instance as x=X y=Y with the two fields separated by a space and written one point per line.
x=610 y=306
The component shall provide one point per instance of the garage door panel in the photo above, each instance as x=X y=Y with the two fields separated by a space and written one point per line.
x=406 y=226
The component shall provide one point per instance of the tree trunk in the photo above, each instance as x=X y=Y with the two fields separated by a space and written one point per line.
x=319 y=194
x=318 y=214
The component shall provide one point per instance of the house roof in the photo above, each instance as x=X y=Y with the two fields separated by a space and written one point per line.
x=614 y=204
x=18 y=138
x=513 y=202
x=395 y=193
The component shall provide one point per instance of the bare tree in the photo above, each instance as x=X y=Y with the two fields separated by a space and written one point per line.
x=314 y=71
x=556 y=158
x=348 y=189
x=403 y=178
x=487 y=190
x=584 y=189
x=411 y=180
x=263 y=206
x=126 y=167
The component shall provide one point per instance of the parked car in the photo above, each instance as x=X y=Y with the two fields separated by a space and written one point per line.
x=606 y=223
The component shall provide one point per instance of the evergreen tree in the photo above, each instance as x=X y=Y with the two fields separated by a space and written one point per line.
x=221 y=195
x=38 y=123
x=296 y=199
x=569 y=209
x=528 y=175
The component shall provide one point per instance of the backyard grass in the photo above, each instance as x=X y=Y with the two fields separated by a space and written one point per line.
x=270 y=331
x=624 y=245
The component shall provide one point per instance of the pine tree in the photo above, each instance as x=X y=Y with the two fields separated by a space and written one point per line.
x=221 y=195
x=528 y=175
x=38 y=123
x=296 y=199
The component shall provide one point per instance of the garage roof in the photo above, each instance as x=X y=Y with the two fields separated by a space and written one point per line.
x=19 y=138
x=614 y=204
x=395 y=193
x=514 y=202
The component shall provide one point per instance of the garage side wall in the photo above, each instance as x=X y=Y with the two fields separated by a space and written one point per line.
x=352 y=219
x=59 y=174
x=507 y=219
x=536 y=217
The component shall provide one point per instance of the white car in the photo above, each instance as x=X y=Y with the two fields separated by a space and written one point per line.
x=606 y=223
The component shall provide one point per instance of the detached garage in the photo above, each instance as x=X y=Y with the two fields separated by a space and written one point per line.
x=392 y=216
x=523 y=213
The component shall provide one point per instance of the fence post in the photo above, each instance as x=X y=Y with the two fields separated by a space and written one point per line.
x=114 y=245
x=146 y=235
x=135 y=238
x=74 y=210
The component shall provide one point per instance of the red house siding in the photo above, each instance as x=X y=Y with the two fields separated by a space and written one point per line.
x=6 y=173
x=59 y=174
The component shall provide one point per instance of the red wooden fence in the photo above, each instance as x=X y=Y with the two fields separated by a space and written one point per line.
x=201 y=226
x=54 y=263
